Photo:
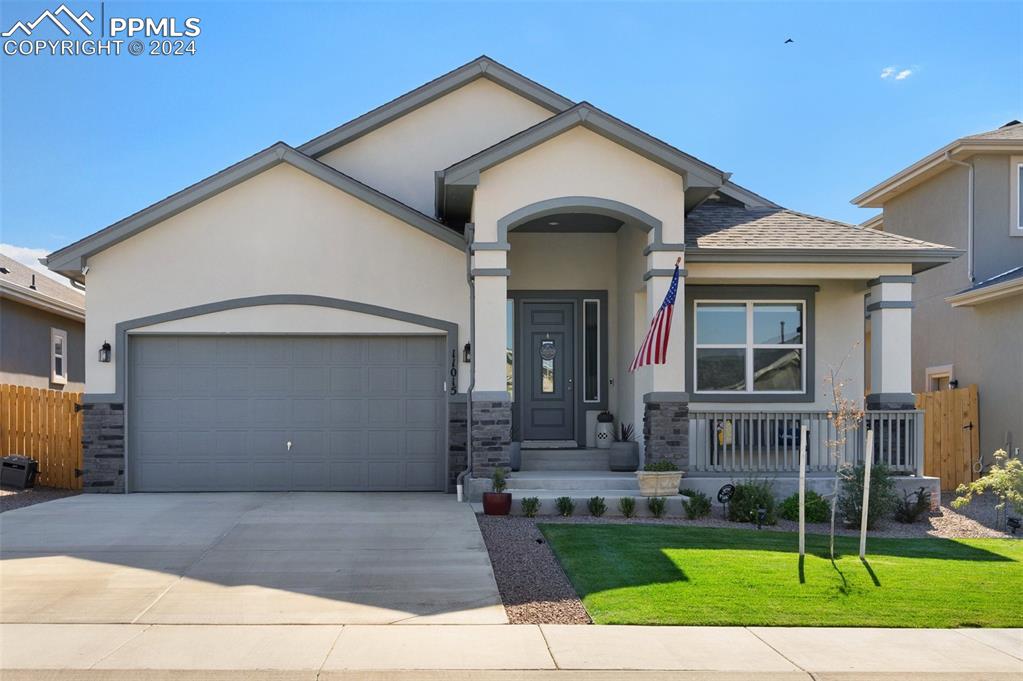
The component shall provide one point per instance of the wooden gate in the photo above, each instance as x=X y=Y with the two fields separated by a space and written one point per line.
x=951 y=435
x=43 y=425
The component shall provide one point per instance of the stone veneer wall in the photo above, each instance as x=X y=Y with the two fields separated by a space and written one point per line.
x=456 y=440
x=491 y=437
x=103 y=448
x=666 y=432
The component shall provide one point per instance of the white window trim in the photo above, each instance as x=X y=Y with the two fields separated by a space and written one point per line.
x=55 y=334
x=596 y=400
x=1015 y=223
x=748 y=346
x=942 y=370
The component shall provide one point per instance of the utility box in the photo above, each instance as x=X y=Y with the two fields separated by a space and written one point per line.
x=18 y=471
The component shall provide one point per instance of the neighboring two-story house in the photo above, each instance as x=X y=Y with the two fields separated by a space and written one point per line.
x=968 y=315
x=42 y=330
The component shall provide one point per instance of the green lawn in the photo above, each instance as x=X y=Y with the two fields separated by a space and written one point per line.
x=634 y=574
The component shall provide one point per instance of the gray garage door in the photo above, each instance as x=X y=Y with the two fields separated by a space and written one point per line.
x=215 y=413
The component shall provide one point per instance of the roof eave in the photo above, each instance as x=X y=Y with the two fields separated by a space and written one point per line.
x=41 y=301
x=986 y=294
x=481 y=67
x=929 y=166
x=921 y=259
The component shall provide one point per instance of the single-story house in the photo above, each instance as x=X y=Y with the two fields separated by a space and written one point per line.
x=42 y=330
x=395 y=303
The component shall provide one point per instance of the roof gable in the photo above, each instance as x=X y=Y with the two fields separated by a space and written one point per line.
x=70 y=260
x=481 y=67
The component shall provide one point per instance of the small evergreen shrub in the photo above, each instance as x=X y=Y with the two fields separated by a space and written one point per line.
x=499 y=480
x=913 y=505
x=662 y=466
x=657 y=506
x=818 y=510
x=530 y=507
x=850 y=497
x=698 y=505
x=596 y=506
x=627 y=506
x=565 y=506
x=750 y=496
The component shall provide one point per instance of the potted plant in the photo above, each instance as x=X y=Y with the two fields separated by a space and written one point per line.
x=605 y=434
x=659 y=479
x=624 y=455
x=497 y=502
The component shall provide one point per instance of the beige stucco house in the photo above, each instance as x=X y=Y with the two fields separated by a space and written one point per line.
x=480 y=255
x=968 y=314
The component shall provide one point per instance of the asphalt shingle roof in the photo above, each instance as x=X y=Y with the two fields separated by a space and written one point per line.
x=713 y=225
x=1009 y=131
x=21 y=275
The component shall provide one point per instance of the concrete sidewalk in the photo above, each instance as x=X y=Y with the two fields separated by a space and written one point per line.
x=506 y=652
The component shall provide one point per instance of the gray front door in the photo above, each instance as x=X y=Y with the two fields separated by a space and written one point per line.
x=548 y=369
x=248 y=413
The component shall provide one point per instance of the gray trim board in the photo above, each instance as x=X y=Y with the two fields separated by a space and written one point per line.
x=70 y=259
x=891 y=305
x=491 y=272
x=666 y=248
x=491 y=396
x=921 y=258
x=897 y=401
x=892 y=279
x=495 y=246
x=576 y=297
x=481 y=67
x=696 y=172
x=724 y=292
x=650 y=274
x=660 y=397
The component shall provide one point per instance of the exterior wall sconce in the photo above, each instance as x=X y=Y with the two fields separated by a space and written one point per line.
x=104 y=352
x=467 y=353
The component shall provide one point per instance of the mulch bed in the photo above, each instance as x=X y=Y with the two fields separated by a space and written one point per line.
x=12 y=497
x=534 y=588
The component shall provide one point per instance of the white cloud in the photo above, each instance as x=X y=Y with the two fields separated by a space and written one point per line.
x=894 y=72
x=887 y=72
x=903 y=74
x=30 y=257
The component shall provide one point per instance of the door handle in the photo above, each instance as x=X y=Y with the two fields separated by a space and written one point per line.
x=289 y=445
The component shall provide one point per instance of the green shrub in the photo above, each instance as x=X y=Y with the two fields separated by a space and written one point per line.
x=530 y=507
x=913 y=505
x=565 y=506
x=818 y=510
x=662 y=466
x=499 y=480
x=1004 y=478
x=627 y=506
x=750 y=496
x=698 y=505
x=850 y=497
x=597 y=506
x=657 y=506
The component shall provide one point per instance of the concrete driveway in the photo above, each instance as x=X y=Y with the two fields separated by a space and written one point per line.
x=246 y=558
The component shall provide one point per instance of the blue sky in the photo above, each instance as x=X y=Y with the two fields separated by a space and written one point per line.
x=89 y=140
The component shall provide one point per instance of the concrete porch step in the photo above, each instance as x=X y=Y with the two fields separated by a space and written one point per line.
x=565 y=460
x=565 y=481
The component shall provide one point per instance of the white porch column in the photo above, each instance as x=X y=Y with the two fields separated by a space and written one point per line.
x=890 y=307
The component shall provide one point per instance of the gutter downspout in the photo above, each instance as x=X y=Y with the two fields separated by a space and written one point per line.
x=459 y=484
x=969 y=216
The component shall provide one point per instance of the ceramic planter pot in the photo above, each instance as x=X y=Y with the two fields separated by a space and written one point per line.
x=624 y=456
x=660 y=484
x=497 y=503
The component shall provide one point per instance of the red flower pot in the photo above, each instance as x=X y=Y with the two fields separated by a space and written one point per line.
x=497 y=503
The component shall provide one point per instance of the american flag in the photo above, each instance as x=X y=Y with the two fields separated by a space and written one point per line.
x=654 y=349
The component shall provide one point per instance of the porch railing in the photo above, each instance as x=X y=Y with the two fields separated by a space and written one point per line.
x=768 y=441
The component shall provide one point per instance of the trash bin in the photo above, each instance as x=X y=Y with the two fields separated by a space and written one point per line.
x=18 y=471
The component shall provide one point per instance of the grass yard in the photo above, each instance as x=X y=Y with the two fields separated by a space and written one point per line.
x=634 y=574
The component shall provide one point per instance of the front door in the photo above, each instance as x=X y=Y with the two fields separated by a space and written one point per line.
x=548 y=369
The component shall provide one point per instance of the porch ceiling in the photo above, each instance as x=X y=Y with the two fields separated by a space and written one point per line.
x=571 y=223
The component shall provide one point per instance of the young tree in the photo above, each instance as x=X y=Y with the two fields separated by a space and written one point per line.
x=845 y=416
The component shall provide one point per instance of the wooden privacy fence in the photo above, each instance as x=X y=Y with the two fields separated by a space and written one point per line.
x=951 y=435
x=43 y=425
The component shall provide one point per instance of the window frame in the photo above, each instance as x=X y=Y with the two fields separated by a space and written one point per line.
x=767 y=293
x=749 y=347
x=597 y=350
x=942 y=371
x=61 y=334
x=1015 y=216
